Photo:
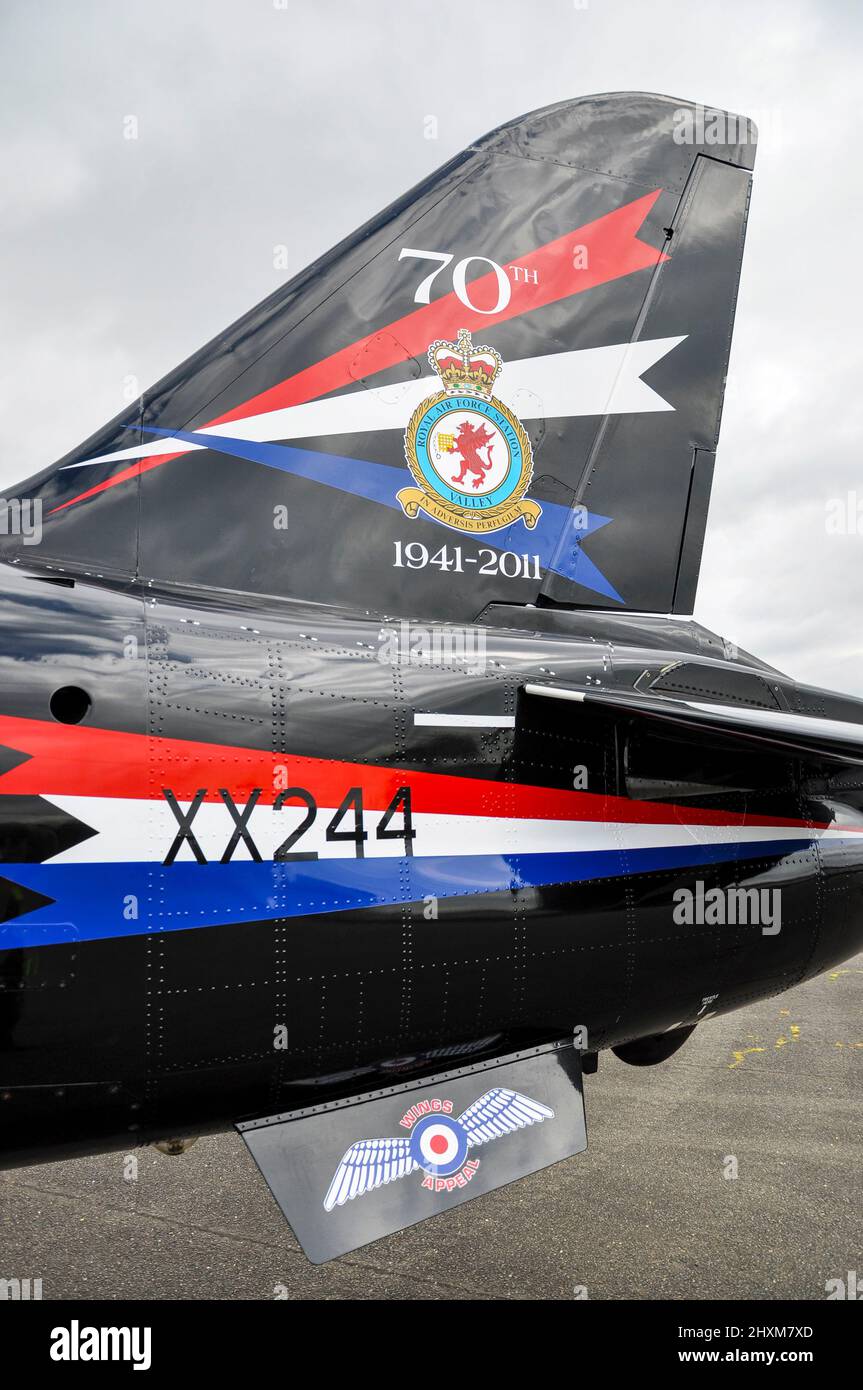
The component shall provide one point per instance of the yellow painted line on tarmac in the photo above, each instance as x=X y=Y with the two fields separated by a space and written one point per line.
x=791 y=1035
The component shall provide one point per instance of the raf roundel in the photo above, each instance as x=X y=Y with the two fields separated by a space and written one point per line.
x=439 y=1145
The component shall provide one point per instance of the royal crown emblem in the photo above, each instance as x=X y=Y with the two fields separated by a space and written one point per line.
x=464 y=369
x=466 y=450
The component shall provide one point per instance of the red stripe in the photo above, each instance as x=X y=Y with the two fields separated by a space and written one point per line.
x=103 y=762
x=611 y=249
x=608 y=248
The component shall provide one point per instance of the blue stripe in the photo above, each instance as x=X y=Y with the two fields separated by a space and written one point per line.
x=97 y=901
x=378 y=482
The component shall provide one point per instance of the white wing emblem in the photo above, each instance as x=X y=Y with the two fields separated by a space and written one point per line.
x=438 y=1144
x=367 y=1164
x=499 y=1112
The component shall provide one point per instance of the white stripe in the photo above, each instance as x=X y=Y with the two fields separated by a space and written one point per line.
x=465 y=721
x=145 y=830
x=592 y=381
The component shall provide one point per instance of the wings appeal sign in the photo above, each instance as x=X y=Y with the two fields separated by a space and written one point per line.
x=443 y=1141
x=439 y=1144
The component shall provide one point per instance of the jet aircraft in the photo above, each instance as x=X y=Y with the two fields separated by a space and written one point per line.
x=363 y=771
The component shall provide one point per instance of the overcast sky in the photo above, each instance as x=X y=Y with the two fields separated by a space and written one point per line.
x=263 y=123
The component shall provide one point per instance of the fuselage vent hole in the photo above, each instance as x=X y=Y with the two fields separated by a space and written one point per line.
x=70 y=704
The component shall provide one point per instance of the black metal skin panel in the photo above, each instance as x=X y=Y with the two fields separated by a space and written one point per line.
x=105 y=1042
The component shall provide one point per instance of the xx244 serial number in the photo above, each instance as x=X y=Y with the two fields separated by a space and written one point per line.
x=348 y=823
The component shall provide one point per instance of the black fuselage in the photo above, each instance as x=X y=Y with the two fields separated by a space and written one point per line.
x=157 y=991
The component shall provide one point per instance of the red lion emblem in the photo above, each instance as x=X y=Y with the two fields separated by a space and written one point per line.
x=468 y=443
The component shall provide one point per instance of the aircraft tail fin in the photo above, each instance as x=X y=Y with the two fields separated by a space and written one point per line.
x=506 y=388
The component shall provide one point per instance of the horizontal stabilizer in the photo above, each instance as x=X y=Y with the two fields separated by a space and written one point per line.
x=780 y=729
